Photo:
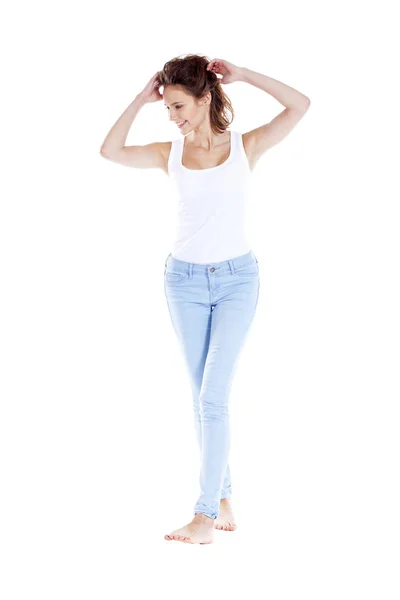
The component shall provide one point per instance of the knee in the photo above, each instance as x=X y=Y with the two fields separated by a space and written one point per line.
x=213 y=411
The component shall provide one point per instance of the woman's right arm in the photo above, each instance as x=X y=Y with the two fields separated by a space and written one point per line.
x=118 y=133
x=142 y=157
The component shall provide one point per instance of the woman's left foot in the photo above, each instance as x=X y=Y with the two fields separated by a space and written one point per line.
x=225 y=520
x=199 y=531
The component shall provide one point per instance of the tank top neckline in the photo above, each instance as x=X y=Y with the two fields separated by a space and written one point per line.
x=228 y=160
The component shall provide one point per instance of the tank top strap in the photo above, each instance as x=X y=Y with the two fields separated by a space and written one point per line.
x=238 y=144
x=233 y=143
x=175 y=154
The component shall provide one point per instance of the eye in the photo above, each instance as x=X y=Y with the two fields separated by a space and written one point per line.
x=178 y=107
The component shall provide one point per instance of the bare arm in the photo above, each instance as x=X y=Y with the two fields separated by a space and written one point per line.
x=116 y=137
x=285 y=94
x=142 y=157
x=259 y=140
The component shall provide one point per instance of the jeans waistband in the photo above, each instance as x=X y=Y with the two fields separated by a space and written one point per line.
x=238 y=262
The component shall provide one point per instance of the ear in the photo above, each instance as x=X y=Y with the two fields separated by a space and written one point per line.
x=208 y=98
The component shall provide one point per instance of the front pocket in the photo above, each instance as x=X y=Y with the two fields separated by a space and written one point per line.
x=248 y=271
x=175 y=277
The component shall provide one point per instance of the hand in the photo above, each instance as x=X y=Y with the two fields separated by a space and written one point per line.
x=229 y=72
x=151 y=91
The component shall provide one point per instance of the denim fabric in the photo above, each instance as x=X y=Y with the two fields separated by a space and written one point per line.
x=212 y=307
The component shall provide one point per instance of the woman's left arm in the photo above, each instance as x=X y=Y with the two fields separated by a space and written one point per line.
x=257 y=141
x=285 y=94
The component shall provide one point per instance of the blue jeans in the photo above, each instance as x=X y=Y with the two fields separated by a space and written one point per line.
x=212 y=307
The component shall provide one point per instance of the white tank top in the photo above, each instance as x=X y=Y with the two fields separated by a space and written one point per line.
x=211 y=216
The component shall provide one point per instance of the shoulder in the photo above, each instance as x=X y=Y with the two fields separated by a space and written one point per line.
x=246 y=142
x=165 y=149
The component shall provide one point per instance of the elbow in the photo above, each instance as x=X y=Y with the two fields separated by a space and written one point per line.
x=303 y=108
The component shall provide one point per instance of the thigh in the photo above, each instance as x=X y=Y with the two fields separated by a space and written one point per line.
x=231 y=322
x=190 y=314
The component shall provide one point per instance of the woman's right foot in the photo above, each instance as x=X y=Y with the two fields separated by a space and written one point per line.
x=198 y=531
x=225 y=520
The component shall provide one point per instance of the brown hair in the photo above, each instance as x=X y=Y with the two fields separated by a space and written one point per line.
x=190 y=72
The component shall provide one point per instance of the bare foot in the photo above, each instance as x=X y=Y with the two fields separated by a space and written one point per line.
x=225 y=519
x=199 y=531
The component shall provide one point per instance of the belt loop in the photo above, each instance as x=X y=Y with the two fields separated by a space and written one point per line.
x=232 y=268
x=190 y=270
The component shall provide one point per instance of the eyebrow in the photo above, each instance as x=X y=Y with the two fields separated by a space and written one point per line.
x=173 y=103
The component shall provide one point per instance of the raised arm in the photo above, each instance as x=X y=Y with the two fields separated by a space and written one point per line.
x=142 y=157
x=259 y=140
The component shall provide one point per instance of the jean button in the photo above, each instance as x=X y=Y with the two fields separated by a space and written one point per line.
x=212 y=269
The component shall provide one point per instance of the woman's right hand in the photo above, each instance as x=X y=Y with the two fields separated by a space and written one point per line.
x=150 y=92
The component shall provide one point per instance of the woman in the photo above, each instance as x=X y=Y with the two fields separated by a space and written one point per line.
x=211 y=277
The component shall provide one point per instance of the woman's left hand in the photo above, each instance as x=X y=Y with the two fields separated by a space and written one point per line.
x=229 y=72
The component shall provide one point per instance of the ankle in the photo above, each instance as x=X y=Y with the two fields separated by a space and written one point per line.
x=202 y=518
x=225 y=500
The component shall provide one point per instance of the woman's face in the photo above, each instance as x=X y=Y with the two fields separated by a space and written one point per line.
x=184 y=107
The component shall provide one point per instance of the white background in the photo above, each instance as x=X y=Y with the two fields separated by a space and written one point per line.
x=98 y=451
